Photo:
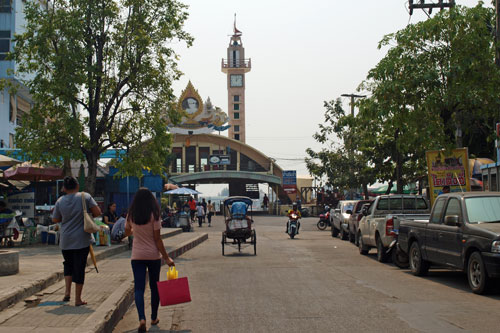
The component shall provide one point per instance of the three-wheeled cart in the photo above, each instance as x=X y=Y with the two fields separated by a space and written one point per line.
x=238 y=217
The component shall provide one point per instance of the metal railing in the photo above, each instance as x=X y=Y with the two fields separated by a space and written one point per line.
x=236 y=63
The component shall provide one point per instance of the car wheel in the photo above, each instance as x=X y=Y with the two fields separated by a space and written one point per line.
x=381 y=251
x=476 y=274
x=343 y=234
x=399 y=258
x=351 y=237
x=363 y=249
x=335 y=231
x=418 y=266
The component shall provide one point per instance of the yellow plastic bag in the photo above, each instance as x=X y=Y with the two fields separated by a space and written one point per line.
x=172 y=273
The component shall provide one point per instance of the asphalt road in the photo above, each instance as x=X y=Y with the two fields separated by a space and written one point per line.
x=314 y=283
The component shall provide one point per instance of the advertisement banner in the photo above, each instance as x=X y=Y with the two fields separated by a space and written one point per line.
x=290 y=181
x=448 y=169
x=24 y=201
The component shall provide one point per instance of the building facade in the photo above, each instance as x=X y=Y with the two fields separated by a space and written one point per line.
x=12 y=107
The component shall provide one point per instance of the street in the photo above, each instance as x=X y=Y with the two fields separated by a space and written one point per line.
x=314 y=283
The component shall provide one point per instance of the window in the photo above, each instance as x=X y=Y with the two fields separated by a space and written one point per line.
x=236 y=128
x=396 y=203
x=438 y=211
x=236 y=107
x=236 y=136
x=383 y=204
x=236 y=98
x=236 y=115
x=11 y=141
x=4 y=42
x=5 y=6
x=453 y=208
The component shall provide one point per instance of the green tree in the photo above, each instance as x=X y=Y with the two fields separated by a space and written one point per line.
x=341 y=162
x=100 y=75
x=437 y=79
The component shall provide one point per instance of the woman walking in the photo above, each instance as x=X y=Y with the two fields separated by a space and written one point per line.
x=143 y=221
x=211 y=212
x=75 y=242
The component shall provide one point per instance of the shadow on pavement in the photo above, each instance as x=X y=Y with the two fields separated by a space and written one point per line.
x=159 y=330
x=69 y=309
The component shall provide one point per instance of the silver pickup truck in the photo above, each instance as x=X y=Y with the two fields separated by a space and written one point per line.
x=379 y=225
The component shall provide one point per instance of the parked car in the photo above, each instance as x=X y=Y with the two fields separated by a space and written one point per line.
x=376 y=229
x=463 y=232
x=340 y=216
x=355 y=217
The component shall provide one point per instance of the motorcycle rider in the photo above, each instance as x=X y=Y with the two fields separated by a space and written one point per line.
x=294 y=210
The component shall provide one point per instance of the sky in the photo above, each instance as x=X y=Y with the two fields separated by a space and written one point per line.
x=303 y=53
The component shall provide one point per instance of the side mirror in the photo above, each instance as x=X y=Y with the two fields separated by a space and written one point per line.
x=452 y=220
x=348 y=211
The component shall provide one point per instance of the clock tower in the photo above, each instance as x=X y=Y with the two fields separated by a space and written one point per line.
x=235 y=66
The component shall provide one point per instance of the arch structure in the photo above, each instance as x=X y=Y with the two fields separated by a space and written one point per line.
x=213 y=159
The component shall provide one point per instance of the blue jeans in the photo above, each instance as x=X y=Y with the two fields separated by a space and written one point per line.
x=139 y=269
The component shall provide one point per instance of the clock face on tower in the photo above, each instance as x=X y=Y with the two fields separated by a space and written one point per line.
x=236 y=80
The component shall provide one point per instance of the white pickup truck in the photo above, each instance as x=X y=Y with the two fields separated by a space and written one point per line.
x=380 y=223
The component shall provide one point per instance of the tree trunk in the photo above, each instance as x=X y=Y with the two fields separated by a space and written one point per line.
x=90 y=181
x=365 y=190
x=399 y=176
x=389 y=187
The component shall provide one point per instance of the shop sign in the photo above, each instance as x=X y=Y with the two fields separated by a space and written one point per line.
x=24 y=202
x=448 y=169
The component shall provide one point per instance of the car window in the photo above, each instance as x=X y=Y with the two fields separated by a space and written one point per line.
x=371 y=208
x=383 y=204
x=453 y=208
x=409 y=203
x=422 y=203
x=483 y=209
x=438 y=211
x=346 y=208
x=359 y=205
x=395 y=203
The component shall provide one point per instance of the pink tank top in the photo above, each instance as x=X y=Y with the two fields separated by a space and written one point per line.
x=144 y=245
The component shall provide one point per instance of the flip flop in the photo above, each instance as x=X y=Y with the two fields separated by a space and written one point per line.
x=66 y=298
x=142 y=328
x=82 y=303
x=155 y=322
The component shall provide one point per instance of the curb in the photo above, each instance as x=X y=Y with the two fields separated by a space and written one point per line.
x=20 y=293
x=112 y=310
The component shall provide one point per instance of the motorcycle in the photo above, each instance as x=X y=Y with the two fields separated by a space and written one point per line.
x=324 y=219
x=293 y=225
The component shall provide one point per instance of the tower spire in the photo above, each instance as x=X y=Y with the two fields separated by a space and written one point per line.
x=236 y=31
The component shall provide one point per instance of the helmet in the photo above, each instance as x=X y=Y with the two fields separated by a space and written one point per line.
x=294 y=206
x=327 y=208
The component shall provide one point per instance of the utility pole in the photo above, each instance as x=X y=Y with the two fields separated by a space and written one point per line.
x=353 y=96
x=351 y=152
x=422 y=5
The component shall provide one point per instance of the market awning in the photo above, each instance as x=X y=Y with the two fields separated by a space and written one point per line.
x=6 y=161
x=32 y=173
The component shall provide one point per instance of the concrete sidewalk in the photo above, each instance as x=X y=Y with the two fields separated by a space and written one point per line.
x=109 y=293
x=41 y=265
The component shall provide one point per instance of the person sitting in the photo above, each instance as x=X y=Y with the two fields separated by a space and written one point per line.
x=294 y=210
x=118 y=230
x=110 y=217
x=239 y=212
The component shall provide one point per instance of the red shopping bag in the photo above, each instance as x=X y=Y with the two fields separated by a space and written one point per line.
x=174 y=291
